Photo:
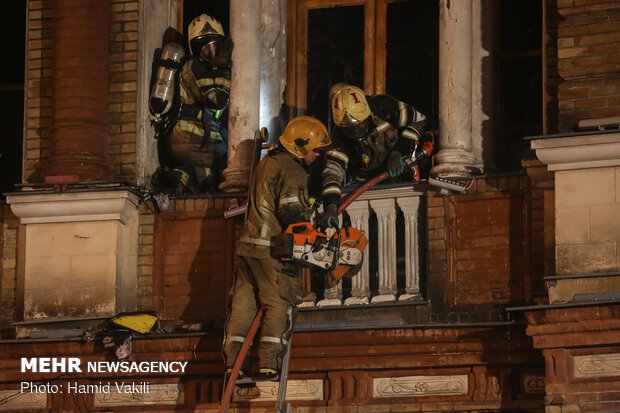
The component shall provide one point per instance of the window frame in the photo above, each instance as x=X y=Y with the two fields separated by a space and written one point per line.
x=375 y=52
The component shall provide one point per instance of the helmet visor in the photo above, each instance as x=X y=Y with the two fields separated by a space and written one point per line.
x=209 y=50
x=356 y=132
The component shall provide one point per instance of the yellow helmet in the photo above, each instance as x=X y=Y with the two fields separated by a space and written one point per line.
x=202 y=31
x=349 y=106
x=304 y=134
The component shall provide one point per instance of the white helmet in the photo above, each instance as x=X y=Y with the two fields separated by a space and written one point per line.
x=349 y=106
x=204 y=34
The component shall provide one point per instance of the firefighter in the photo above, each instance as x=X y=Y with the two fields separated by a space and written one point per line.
x=371 y=134
x=278 y=197
x=197 y=146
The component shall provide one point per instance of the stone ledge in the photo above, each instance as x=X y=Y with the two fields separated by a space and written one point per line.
x=578 y=151
x=73 y=206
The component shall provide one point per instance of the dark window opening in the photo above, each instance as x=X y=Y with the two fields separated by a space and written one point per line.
x=520 y=80
x=218 y=9
x=412 y=62
x=13 y=23
x=335 y=54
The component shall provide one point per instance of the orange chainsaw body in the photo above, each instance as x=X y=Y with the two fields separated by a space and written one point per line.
x=349 y=239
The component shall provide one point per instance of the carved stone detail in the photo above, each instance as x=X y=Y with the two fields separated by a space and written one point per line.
x=597 y=365
x=16 y=401
x=415 y=386
x=171 y=393
x=534 y=384
x=268 y=391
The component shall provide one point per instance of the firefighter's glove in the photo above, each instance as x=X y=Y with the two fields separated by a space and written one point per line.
x=395 y=165
x=330 y=216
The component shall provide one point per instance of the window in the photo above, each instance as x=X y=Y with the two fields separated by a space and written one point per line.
x=190 y=9
x=520 y=79
x=13 y=23
x=382 y=46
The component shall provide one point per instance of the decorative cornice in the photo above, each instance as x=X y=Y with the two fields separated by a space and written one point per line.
x=14 y=400
x=579 y=151
x=268 y=391
x=73 y=206
x=597 y=365
x=415 y=386
x=157 y=394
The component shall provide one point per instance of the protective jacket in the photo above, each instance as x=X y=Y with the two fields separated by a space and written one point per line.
x=277 y=198
x=198 y=137
x=397 y=126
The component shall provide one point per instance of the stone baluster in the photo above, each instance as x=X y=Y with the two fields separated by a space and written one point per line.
x=360 y=286
x=386 y=220
x=410 y=206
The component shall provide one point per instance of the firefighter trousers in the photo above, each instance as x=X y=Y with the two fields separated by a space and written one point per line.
x=260 y=282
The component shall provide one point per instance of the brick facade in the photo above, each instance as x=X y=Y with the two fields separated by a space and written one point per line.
x=473 y=240
x=38 y=89
x=147 y=254
x=123 y=88
x=8 y=273
x=123 y=65
x=588 y=60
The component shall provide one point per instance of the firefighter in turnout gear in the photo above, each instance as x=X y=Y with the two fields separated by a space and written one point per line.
x=371 y=134
x=278 y=197
x=197 y=144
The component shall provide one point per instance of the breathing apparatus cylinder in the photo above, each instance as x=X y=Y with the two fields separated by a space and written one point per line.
x=163 y=92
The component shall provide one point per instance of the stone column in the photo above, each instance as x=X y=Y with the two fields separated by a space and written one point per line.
x=243 y=117
x=80 y=128
x=455 y=158
x=156 y=16
x=483 y=30
x=360 y=287
x=273 y=65
x=386 y=224
x=409 y=206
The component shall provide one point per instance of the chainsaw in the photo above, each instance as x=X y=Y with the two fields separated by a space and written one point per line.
x=341 y=254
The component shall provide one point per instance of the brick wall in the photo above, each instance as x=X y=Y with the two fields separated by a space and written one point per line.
x=588 y=60
x=8 y=272
x=122 y=83
x=38 y=88
x=542 y=224
x=551 y=78
x=478 y=240
x=151 y=256
x=123 y=88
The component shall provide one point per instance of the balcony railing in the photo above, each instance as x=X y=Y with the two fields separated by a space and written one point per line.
x=391 y=267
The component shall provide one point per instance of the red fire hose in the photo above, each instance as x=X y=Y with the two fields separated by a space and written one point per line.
x=230 y=385
x=425 y=151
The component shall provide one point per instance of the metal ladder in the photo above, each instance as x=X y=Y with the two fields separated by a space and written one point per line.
x=281 y=405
